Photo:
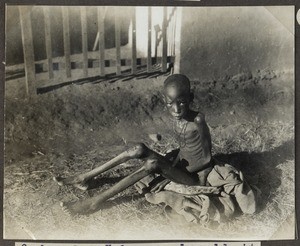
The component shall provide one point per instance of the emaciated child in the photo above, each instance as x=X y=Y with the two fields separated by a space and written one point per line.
x=194 y=165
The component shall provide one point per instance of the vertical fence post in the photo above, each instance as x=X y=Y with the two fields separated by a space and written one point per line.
x=174 y=32
x=48 y=41
x=26 y=32
x=118 y=41
x=164 y=40
x=168 y=31
x=156 y=29
x=149 y=57
x=101 y=40
x=84 y=40
x=67 y=50
x=133 y=51
x=177 y=38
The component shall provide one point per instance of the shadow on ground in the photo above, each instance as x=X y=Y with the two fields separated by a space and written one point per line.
x=260 y=168
x=100 y=181
x=126 y=75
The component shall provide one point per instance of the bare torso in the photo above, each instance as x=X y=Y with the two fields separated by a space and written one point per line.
x=195 y=142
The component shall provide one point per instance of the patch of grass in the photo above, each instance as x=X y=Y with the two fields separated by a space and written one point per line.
x=251 y=126
x=263 y=150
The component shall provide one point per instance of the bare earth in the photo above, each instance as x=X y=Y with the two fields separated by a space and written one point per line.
x=78 y=127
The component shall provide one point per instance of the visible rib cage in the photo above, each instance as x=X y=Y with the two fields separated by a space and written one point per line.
x=193 y=149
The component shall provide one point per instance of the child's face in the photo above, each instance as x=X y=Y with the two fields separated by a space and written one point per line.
x=177 y=102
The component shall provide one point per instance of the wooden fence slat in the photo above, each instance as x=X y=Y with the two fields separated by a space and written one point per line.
x=118 y=42
x=84 y=40
x=27 y=41
x=174 y=32
x=66 y=31
x=101 y=40
x=149 y=60
x=171 y=27
x=48 y=41
x=168 y=30
x=164 y=40
x=133 y=51
x=156 y=29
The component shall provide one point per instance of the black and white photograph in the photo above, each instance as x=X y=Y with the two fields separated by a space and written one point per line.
x=149 y=123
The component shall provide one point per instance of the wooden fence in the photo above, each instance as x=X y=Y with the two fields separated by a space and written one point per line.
x=164 y=40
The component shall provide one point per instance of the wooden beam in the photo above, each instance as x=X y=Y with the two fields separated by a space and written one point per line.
x=133 y=51
x=66 y=31
x=149 y=57
x=101 y=40
x=48 y=41
x=27 y=42
x=118 y=41
x=84 y=40
x=164 y=40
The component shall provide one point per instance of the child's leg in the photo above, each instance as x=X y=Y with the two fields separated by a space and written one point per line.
x=154 y=163
x=79 y=181
x=91 y=205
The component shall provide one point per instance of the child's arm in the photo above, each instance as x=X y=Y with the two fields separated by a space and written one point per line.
x=205 y=134
x=205 y=138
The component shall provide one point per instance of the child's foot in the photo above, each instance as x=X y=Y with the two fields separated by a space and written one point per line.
x=84 y=207
x=76 y=181
x=141 y=188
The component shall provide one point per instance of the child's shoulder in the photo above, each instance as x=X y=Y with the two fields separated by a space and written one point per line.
x=199 y=118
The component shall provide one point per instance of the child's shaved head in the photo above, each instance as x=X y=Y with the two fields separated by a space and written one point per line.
x=179 y=82
x=177 y=95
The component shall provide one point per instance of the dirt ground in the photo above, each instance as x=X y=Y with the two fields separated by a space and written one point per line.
x=78 y=127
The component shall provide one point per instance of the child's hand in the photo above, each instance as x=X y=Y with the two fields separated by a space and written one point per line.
x=160 y=186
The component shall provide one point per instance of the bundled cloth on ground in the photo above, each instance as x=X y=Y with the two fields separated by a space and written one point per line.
x=227 y=192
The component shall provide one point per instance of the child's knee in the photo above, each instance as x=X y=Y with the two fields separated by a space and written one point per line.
x=151 y=165
x=138 y=151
